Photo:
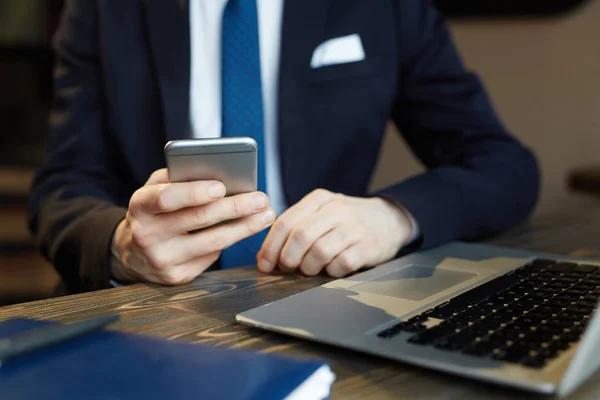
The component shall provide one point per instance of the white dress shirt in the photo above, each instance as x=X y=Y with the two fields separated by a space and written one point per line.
x=206 y=20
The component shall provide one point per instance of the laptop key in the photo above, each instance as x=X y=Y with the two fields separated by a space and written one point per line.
x=592 y=297
x=561 y=267
x=461 y=318
x=571 y=317
x=571 y=336
x=580 y=309
x=503 y=340
x=511 y=354
x=588 y=269
x=523 y=346
x=487 y=310
x=537 y=338
x=393 y=331
x=568 y=296
x=529 y=320
x=559 y=344
x=542 y=262
x=575 y=274
x=542 y=294
x=595 y=280
x=500 y=318
x=558 y=285
x=530 y=300
x=534 y=361
x=480 y=331
x=386 y=334
x=517 y=327
x=539 y=314
x=418 y=319
x=415 y=328
x=560 y=323
x=510 y=336
x=449 y=344
x=580 y=325
x=400 y=326
x=489 y=323
x=585 y=303
x=550 y=290
x=551 y=307
x=501 y=300
x=537 y=265
x=547 y=352
x=545 y=276
x=420 y=340
x=566 y=279
x=439 y=331
x=476 y=350
x=442 y=311
x=465 y=337
x=557 y=304
x=520 y=308
x=482 y=348
x=525 y=284
x=576 y=292
x=538 y=282
x=550 y=329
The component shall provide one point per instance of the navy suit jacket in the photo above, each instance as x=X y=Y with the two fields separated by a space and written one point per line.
x=122 y=90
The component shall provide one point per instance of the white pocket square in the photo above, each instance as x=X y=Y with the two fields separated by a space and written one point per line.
x=341 y=50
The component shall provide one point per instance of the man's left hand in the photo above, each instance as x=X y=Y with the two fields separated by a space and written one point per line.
x=338 y=233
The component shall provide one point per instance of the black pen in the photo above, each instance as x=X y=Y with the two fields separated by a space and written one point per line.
x=29 y=341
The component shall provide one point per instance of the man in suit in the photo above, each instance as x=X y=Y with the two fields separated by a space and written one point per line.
x=314 y=82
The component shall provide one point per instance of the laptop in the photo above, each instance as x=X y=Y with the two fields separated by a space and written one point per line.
x=504 y=316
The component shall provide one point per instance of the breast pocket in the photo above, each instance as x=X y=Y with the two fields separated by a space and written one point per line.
x=340 y=72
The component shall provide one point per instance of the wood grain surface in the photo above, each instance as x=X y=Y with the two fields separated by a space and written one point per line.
x=203 y=312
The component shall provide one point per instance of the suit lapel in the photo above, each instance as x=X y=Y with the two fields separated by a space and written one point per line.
x=169 y=34
x=303 y=30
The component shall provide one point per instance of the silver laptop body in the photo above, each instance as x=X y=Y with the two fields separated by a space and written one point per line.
x=352 y=313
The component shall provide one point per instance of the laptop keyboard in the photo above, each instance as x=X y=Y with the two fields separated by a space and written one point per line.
x=528 y=316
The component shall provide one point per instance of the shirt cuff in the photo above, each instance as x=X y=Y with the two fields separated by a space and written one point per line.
x=114 y=283
x=114 y=258
x=416 y=231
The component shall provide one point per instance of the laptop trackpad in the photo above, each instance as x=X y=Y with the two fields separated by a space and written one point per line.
x=414 y=282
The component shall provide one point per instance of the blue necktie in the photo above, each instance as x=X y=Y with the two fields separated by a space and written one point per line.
x=242 y=105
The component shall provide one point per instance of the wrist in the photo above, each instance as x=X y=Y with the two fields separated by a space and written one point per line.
x=118 y=269
x=402 y=227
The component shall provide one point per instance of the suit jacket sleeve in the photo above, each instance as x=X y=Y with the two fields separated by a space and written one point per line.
x=480 y=180
x=76 y=201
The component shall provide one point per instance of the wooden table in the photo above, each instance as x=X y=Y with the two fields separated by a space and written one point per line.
x=203 y=312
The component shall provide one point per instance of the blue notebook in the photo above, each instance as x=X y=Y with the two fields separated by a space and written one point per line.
x=111 y=365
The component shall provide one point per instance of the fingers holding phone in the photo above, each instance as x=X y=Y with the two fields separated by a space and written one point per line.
x=153 y=243
x=174 y=231
x=204 y=216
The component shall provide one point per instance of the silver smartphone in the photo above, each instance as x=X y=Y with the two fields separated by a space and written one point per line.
x=232 y=161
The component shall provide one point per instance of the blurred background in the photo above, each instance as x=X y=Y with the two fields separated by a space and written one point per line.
x=539 y=59
x=26 y=28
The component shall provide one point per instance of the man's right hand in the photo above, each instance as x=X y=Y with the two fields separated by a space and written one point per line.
x=155 y=242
